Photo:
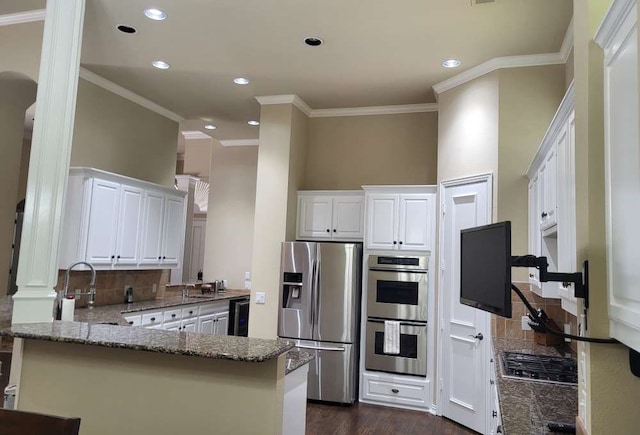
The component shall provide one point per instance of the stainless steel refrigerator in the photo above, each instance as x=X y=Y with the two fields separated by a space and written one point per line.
x=320 y=289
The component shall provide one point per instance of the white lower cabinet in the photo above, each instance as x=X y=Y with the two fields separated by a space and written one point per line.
x=294 y=406
x=392 y=390
x=208 y=318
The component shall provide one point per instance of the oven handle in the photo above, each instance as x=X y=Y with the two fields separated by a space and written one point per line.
x=402 y=323
x=338 y=349
x=376 y=269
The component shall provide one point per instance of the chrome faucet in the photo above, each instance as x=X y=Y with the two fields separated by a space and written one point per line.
x=92 y=284
x=185 y=290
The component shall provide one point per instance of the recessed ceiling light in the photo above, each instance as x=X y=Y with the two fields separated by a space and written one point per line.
x=241 y=81
x=210 y=127
x=313 y=41
x=161 y=64
x=155 y=14
x=451 y=63
x=126 y=29
x=253 y=122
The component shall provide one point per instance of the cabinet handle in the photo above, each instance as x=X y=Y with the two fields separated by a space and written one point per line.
x=118 y=257
x=159 y=258
x=173 y=316
x=531 y=275
x=395 y=390
x=113 y=256
x=190 y=312
x=328 y=230
x=566 y=284
x=164 y=258
x=334 y=230
x=544 y=214
x=395 y=243
x=401 y=242
x=492 y=382
x=130 y=322
x=494 y=413
x=153 y=319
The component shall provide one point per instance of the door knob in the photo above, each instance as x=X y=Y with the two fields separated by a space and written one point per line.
x=479 y=336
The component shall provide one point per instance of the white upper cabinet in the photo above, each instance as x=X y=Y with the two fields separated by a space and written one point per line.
x=116 y=222
x=618 y=36
x=400 y=221
x=330 y=215
x=552 y=204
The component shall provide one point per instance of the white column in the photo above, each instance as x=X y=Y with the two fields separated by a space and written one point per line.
x=49 y=163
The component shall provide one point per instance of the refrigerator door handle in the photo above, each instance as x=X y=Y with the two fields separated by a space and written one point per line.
x=336 y=349
x=314 y=272
x=316 y=293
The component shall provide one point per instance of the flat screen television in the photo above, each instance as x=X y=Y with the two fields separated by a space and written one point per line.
x=485 y=268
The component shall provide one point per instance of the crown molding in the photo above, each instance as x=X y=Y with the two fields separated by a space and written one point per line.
x=567 y=42
x=23 y=17
x=498 y=63
x=239 y=142
x=374 y=110
x=613 y=21
x=127 y=94
x=285 y=99
x=195 y=134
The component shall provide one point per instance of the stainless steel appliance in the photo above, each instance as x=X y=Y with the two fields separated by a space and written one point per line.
x=320 y=287
x=412 y=358
x=397 y=287
x=239 y=317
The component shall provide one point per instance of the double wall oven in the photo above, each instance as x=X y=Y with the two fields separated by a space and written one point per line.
x=397 y=292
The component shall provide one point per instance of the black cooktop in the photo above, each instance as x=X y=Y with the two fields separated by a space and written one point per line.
x=540 y=367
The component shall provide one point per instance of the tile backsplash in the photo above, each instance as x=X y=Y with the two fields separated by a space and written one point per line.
x=110 y=285
x=512 y=328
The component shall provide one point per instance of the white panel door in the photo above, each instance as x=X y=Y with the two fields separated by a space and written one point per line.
x=198 y=233
x=190 y=325
x=348 y=217
x=382 y=221
x=414 y=232
x=314 y=218
x=152 y=229
x=222 y=323
x=465 y=332
x=103 y=221
x=174 y=229
x=129 y=225
x=206 y=324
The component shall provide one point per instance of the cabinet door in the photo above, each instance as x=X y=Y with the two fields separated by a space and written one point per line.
x=172 y=326
x=567 y=215
x=222 y=323
x=534 y=226
x=152 y=233
x=348 y=217
x=190 y=325
x=415 y=222
x=206 y=324
x=549 y=213
x=314 y=217
x=174 y=229
x=129 y=225
x=382 y=221
x=103 y=220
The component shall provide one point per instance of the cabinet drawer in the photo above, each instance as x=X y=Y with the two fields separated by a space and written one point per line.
x=190 y=312
x=172 y=315
x=154 y=318
x=134 y=320
x=214 y=308
x=395 y=392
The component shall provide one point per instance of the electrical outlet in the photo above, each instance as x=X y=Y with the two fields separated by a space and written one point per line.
x=525 y=324
x=261 y=297
x=77 y=293
x=127 y=287
x=154 y=288
x=247 y=285
x=247 y=276
x=567 y=330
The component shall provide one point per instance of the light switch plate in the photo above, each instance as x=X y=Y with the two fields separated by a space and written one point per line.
x=567 y=330
x=525 y=324
x=261 y=297
x=247 y=285
x=247 y=275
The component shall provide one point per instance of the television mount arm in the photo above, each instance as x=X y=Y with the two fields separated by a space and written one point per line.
x=579 y=279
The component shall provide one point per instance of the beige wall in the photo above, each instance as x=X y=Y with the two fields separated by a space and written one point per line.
x=347 y=152
x=613 y=393
x=197 y=157
x=119 y=136
x=569 y=73
x=468 y=129
x=529 y=97
x=297 y=164
x=18 y=92
x=122 y=391
x=20 y=46
x=232 y=196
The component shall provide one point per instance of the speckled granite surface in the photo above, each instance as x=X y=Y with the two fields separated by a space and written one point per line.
x=153 y=340
x=296 y=359
x=6 y=309
x=527 y=406
x=113 y=313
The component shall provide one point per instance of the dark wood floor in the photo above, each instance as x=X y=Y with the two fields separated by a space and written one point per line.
x=363 y=419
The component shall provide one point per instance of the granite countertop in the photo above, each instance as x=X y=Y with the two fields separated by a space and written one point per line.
x=6 y=311
x=113 y=313
x=297 y=359
x=527 y=406
x=152 y=340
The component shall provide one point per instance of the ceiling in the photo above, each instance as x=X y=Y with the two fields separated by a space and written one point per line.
x=375 y=52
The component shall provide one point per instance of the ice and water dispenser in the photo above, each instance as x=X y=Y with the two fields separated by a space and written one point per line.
x=292 y=290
